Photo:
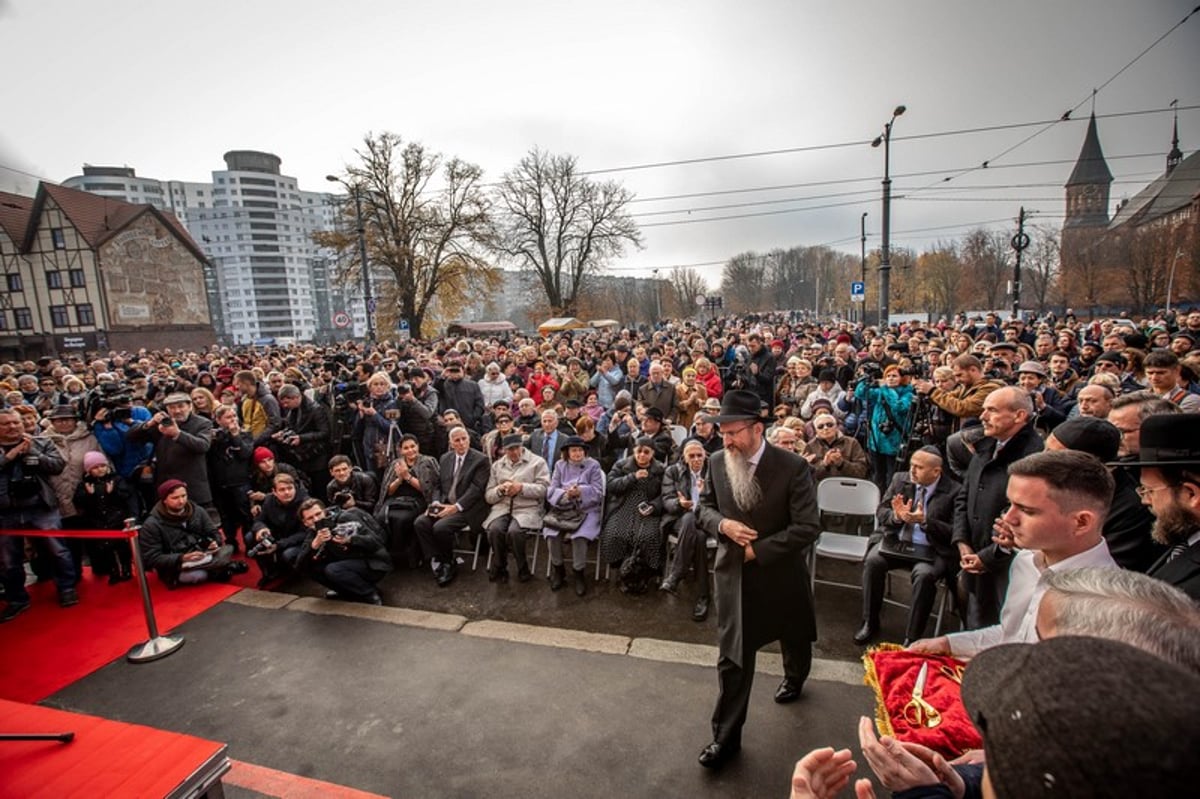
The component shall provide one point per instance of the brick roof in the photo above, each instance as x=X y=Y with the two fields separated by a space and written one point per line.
x=96 y=218
x=14 y=215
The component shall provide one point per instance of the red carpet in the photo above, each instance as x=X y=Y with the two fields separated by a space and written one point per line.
x=106 y=758
x=58 y=646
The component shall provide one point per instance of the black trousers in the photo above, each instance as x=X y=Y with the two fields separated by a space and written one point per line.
x=985 y=595
x=735 y=682
x=924 y=577
x=436 y=536
x=505 y=535
x=691 y=550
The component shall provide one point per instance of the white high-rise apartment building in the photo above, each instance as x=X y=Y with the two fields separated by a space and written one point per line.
x=269 y=280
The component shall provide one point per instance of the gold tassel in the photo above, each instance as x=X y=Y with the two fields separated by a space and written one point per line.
x=883 y=721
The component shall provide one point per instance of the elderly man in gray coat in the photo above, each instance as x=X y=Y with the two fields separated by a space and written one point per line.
x=516 y=491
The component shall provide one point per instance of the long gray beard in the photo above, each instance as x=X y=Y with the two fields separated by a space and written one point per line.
x=747 y=493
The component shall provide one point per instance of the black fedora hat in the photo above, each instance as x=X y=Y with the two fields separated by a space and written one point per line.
x=738 y=406
x=512 y=440
x=1169 y=439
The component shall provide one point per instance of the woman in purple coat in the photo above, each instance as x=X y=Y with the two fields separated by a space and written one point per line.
x=577 y=483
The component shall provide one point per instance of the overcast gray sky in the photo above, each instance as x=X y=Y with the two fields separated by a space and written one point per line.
x=168 y=87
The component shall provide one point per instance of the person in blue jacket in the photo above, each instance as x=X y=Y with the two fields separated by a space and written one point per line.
x=890 y=401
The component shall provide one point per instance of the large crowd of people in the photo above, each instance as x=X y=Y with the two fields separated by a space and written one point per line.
x=342 y=463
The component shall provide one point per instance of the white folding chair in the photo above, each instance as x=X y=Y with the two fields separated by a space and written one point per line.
x=844 y=496
x=679 y=434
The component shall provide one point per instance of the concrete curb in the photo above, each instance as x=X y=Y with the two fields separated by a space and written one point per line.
x=674 y=652
x=701 y=655
x=254 y=598
x=548 y=636
x=428 y=620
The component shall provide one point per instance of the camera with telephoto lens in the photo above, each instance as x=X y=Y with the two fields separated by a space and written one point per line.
x=116 y=398
x=346 y=393
x=262 y=547
x=870 y=370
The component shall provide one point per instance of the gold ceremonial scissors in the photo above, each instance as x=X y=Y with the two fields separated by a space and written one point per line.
x=918 y=712
x=953 y=672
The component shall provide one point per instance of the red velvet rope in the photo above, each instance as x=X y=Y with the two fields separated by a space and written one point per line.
x=73 y=533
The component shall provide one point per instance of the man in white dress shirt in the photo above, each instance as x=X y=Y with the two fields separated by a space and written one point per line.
x=1058 y=503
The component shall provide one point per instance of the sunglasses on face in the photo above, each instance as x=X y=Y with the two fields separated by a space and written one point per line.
x=825 y=426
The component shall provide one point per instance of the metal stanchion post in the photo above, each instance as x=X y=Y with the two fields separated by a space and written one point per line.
x=159 y=646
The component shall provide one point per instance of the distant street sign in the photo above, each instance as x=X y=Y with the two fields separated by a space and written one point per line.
x=371 y=305
x=858 y=291
x=700 y=300
x=341 y=319
x=402 y=329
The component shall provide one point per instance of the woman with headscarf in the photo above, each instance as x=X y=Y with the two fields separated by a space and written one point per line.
x=632 y=541
x=689 y=397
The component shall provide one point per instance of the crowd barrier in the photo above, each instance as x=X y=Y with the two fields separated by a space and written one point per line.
x=156 y=646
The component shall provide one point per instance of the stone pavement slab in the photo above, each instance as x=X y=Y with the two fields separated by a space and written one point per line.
x=404 y=711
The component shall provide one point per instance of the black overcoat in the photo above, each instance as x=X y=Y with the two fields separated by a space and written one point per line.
x=770 y=597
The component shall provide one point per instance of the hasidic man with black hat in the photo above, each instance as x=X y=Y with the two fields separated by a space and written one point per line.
x=1170 y=473
x=761 y=501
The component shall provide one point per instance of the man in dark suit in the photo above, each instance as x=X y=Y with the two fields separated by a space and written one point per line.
x=1007 y=418
x=761 y=502
x=458 y=504
x=547 y=441
x=916 y=520
x=1169 y=458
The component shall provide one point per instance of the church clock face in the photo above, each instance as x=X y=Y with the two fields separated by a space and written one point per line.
x=1091 y=194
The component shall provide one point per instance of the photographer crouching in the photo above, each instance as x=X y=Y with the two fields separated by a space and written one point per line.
x=343 y=550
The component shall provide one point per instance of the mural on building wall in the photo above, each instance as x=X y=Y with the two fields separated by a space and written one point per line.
x=152 y=278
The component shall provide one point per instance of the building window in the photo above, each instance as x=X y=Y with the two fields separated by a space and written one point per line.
x=56 y=236
x=77 y=279
x=24 y=319
x=3 y=320
x=54 y=280
x=84 y=314
x=15 y=283
x=58 y=316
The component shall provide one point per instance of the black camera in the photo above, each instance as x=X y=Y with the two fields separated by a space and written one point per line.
x=261 y=547
x=342 y=497
x=346 y=393
x=870 y=370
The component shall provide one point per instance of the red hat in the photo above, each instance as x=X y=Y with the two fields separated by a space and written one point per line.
x=843 y=338
x=777 y=343
x=168 y=487
x=262 y=454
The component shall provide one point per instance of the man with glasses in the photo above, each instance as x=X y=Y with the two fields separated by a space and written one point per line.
x=832 y=454
x=1169 y=458
x=1113 y=363
x=761 y=503
x=1128 y=413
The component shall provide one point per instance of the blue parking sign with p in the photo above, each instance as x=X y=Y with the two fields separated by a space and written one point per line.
x=858 y=291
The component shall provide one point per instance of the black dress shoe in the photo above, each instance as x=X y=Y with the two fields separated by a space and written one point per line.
x=523 y=573
x=373 y=599
x=865 y=633
x=788 y=691
x=717 y=754
x=446 y=574
x=331 y=594
x=238 y=567
x=670 y=585
x=700 y=612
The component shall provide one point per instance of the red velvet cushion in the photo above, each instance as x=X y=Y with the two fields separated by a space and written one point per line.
x=892 y=672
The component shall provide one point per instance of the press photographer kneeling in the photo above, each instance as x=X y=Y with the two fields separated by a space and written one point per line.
x=343 y=550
